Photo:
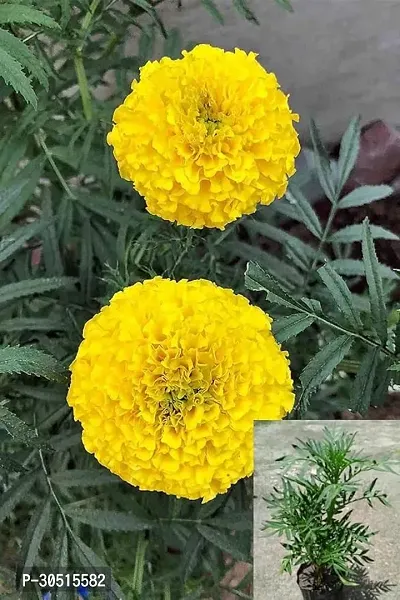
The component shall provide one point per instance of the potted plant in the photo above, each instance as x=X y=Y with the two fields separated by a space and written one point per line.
x=313 y=510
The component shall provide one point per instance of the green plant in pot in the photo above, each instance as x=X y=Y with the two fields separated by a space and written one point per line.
x=313 y=511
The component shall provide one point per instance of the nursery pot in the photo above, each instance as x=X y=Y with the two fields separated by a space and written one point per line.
x=328 y=588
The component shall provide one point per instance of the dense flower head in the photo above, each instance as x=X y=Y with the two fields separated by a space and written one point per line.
x=168 y=381
x=205 y=138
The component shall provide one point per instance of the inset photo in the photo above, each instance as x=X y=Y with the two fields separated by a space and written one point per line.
x=327 y=510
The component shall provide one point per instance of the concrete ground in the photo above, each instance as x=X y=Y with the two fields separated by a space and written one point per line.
x=272 y=440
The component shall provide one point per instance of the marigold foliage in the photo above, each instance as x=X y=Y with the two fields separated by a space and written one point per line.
x=168 y=381
x=205 y=138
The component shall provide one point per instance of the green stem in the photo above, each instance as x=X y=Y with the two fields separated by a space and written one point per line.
x=167 y=591
x=83 y=86
x=321 y=244
x=40 y=142
x=139 y=564
x=78 y=62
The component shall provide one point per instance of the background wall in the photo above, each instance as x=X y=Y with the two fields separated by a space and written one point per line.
x=336 y=58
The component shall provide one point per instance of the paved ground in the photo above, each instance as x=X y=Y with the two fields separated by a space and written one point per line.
x=378 y=438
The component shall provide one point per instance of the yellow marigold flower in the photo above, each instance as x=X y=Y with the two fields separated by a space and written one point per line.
x=205 y=138
x=168 y=381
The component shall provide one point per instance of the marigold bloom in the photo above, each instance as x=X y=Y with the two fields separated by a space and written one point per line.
x=168 y=381
x=205 y=138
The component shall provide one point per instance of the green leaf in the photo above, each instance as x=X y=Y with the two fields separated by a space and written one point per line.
x=235 y=521
x=355 y=268
x=13 y=75
x=226 y=543
x=149 y=9
x=282 y=271
x=341 y=294
x=33 y=538
x=285 y=4
x=349 y=149
x=91 y=559
x=285 y=328
x=191 y=555
x=395 y=367
x=353 y=233
x=279 y=235
x=374 y=280
x=10 y=465
x=364 y=195
x=213 y=10
x=21 y=289
x=15 y=241
x=18 y=13
x=16 y=359
x=14 y=195
x=322 y=164
x=17 y=492
x=243 y=8
x=258 y=280
x=84 y=478
x=19 y=430
x=114 y=211
x=51 y=250
x=60 y=560
x=32 y=324
x=306 y=212
x=86 y=262
x=364 y=381
x=108 y=520
x=324 y=362
x=21 y=53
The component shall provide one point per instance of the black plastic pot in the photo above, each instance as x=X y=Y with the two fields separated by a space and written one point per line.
x=331 y=587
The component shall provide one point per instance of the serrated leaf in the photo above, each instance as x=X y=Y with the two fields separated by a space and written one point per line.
x=109 y=520
x=84 y=478
x=258 y=280
x=307 y=214
x=21 y=53
x=10 y=465
x=16 y=359
x=15 y=194
x=374 y=281
x=119 y=213
x=18 y=491
x=244 y=9
x=15 y=241
x=341 y=294
x=364 y=381
x=91 y=559
x=86 y=258
x=213 y=10
x=226 y=543
x=349 y=149
x=51 y=250
x=285 y=328
x=353 y=233
x=355 y=268
x=31 y=324
x=279 y=235
x=395 y=367
x=149 y=9
x=322 y=164
x=33 y=538
x=13 y=75
x=324 y=362
x=19 y=430
x=282 y=271
x=285 y=4
x=382 y=382
x=22 y=289
x=235 y=521
x=18 y=13
x=191 y=555
x=364 y=195
x=60 y=561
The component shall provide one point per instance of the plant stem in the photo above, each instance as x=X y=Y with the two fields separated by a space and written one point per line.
x=321 y=244
x=167 y=591
x=40 y=142
x=139 y=564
